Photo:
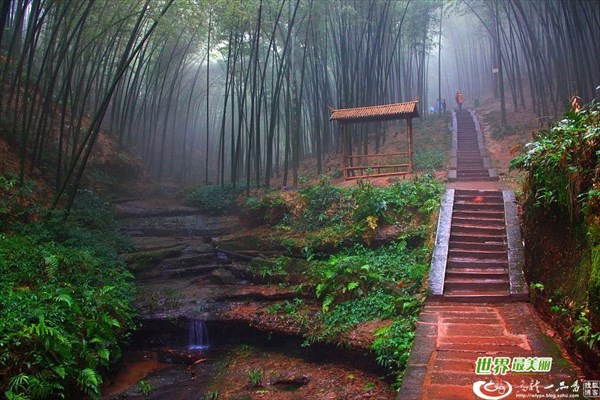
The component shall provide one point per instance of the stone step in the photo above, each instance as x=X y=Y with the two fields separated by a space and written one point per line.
x=476 y=192
x=472 y=167
x=480 y=200
x=500 y=296
x=466 y=155
x=475 y=284
x=476 y=179
x=478 y=206
x=477 y=228
x=475 y=255
x=472 y=172
x=471 y=195
x=479 y=215
x=470 y=216
x=488 y=273
x=481 y=246
x=474 y=206
x=463 y=262
x=466 y=238
x=473 y=221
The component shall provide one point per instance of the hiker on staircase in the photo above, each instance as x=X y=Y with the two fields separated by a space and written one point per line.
x=459 y=100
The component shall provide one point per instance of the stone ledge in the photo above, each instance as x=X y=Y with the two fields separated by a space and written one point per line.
x=519 y=290
x=437 y=271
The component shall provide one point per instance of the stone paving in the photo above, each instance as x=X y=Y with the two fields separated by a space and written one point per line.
x=452 y=335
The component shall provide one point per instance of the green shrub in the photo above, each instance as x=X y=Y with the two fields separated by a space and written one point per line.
x=64 y=313
x=392 y=343
x=66 y=301
x=359 y=271
x=214 y=199
x=561 y=208
x=16 y=205
x=256 y=377
x=376 y=305
x=145 y=388
x=322 y=206
x=561 y=164
x=267 y=209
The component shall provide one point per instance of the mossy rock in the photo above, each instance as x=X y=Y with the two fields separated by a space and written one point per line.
x=221 y=276
x=239 y=244
x=142 y=260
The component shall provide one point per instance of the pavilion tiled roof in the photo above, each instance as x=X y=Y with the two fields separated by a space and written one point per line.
x=383 y=112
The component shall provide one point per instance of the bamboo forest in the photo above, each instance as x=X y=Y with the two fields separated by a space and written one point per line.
x=299 y=199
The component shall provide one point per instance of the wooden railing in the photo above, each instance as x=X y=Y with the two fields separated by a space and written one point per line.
x=376 y=165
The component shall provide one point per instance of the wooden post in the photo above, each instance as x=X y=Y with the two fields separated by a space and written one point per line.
x=410 y=145
x=344 y=150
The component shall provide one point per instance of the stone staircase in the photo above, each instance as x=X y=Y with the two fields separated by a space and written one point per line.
x=478 y=253
x=469 y=159
x=477 y=296
x=477 y=263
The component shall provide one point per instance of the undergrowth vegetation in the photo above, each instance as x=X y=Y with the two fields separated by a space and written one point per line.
x=65 y=297
x=214 y=199
x=366 y=253
x=561 y=202
x=318 y=220
x=432 y=136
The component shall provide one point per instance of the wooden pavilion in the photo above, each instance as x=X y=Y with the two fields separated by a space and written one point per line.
x=380 y=164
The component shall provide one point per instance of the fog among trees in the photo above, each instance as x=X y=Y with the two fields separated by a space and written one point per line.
x=238 y=90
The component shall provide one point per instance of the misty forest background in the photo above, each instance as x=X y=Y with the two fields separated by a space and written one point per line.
x=238 y=91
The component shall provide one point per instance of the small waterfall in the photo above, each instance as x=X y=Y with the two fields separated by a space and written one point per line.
x=198 y=335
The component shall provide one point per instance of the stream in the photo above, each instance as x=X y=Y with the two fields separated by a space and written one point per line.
x=200 y=335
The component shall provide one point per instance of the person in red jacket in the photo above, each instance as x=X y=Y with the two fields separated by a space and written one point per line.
x=459 y=100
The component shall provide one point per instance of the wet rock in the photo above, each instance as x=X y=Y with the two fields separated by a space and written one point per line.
x=174 y=356
x=146 y=259
x=141 y=208
x=244 y=243
x=221 y=276
x=289 y=384
x=259 y=293
x=199 y=248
